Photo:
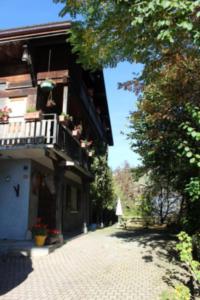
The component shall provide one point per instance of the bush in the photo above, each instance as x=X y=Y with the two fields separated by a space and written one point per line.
x=181 y=292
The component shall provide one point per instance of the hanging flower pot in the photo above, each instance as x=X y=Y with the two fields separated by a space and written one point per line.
x=47 y=85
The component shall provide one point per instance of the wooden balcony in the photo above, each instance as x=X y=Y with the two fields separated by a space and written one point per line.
x=44 y=133
x=81 y=92
x=19 y=132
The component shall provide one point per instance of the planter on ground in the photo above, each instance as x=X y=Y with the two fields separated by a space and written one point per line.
x=40 y=240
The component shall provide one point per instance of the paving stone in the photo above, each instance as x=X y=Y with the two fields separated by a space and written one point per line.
x=103 y=265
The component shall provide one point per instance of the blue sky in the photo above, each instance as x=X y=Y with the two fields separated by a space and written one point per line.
x=15 y=13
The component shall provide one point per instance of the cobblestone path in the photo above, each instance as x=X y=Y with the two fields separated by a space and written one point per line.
x=106 y=264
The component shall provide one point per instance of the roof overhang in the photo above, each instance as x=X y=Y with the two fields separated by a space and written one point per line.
x=32 y=32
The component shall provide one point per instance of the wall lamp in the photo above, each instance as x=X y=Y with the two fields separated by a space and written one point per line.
x=25 y=54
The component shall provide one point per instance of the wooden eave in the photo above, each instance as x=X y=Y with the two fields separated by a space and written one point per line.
x=31 y=32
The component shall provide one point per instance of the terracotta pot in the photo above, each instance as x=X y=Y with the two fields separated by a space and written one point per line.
x=63 y=120
x=83 y=145
x=90 y=153
x=4 y=119
x=76 y=132
x=40 y=240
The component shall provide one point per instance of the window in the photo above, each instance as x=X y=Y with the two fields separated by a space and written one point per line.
x=73 y=199
x=18 y=106
x=3 y=86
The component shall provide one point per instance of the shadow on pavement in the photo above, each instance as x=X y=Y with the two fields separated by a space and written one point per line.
x=13 y=271
x=157 y=243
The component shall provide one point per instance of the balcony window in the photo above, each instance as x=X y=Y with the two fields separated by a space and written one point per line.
x=18 y=106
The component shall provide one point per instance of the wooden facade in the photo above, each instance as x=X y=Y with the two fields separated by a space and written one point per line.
x=30 y=128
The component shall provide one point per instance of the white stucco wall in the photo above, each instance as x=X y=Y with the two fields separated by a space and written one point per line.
x=14 y=210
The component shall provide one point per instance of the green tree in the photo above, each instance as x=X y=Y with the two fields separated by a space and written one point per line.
x=164 y=36
x=125 y=187
x=165 y=127
x=101 y=192
x=133 y=30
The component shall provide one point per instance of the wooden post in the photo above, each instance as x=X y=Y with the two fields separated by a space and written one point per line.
x=58 y=179
x=85 y=206
x=65 y=100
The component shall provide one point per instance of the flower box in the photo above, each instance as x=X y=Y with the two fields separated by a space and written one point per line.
x=33 y=116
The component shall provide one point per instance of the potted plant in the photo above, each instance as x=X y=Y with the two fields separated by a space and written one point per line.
x=32 y=114
x=91 y=152
x=39 y=231
x=53 y=236
x=47 y=85
x=65 y=119
x=4 y=114
x=85 y=143
x=77 y=131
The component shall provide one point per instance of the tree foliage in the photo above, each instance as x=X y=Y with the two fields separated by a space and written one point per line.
x=125 y=186
x=138 y=30
x=101 y=192
x=164 y=36
x=165 y=128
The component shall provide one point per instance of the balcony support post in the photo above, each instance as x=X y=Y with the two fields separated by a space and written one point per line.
x=85 y=206
x=58 y=178
x=65 y=100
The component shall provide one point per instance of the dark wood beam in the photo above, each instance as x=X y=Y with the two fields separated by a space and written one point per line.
x=18 y=92
x=30 y=63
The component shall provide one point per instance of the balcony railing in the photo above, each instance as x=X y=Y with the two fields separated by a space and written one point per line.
x=71 y=146
x=20 y=132
x=81 y=91
x=46 y=131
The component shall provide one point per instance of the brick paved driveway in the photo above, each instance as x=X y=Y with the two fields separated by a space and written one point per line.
x=106 y=264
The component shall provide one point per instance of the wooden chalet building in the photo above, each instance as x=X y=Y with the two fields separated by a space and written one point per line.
x=44 y=166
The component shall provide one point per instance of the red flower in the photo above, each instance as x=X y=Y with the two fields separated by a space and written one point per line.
x=54 y=231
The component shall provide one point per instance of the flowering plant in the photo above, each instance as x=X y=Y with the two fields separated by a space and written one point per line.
x=53 y=232
x=86 y=143
x=4 y=112
x=39 y=228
